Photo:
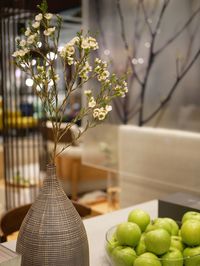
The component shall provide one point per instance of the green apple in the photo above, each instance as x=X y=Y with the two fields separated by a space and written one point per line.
x=176 y=242
x=173 y=257
x=159 y=223
x=123 y=256
x=190 y=232
x=191 y=256
x=111 y=244
x=157 y=241
x=163 y=223
x=150 y=227
x=191 y=215
x=128 y=234
x=147 y=259
x=174 y=226
x=140 y=217
x=141 y=247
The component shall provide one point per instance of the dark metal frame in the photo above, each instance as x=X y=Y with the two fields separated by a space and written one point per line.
x=21 y=143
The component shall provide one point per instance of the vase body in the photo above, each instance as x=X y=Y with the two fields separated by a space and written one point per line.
x=52 y=232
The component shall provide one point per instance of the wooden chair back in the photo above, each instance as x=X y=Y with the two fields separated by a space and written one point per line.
x=12 y=219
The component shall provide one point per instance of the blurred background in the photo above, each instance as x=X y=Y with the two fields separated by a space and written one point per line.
x=151 y=137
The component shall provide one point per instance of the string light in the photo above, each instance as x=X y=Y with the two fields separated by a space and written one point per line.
x=18 y=73
x=106 y=52
x=147 y=44
x=39 y=44
x=29 y=82
x=33 y=62
x=140 y=60
x=134 y=61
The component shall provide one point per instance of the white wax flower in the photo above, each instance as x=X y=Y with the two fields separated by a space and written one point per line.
x=48 y=16
x=87 y=67
x=85 y=44
x=108 y=108
x=92 y=102
x=70 y=50
x=93 y=43
x=31 y=39
x=125 y=89
x=102 y=114
x=96 y=112
x=84 y=77
x=38 y=17
x=75 y=40
x=22 y=43
x=36 y=24
x=49 y=31
x=103 y=76
x=15 y=54
x=21 y=53
x=27 y=32
x=70 y=60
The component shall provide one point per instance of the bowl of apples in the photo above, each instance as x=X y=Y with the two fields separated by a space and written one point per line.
x=140 y=241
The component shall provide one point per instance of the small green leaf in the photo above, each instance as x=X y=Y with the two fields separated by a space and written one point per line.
x=43 y=6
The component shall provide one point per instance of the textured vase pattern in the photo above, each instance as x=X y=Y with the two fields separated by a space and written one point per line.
x=52 y=232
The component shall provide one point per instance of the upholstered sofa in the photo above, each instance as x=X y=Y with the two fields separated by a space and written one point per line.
x=154 y=162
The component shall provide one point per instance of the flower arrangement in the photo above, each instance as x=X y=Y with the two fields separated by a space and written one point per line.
x=40 y=42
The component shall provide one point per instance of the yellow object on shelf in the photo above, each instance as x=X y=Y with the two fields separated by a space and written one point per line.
x=16 y=120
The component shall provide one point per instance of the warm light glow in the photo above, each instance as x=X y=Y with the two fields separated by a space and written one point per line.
x=17 y=73
x=39 y=44
x=140 y=60
x=134 y=61
x=29 y=82
x=106 y=52
x=33 y=62
x=147 y=44
x=60 y=48
x=38 y=88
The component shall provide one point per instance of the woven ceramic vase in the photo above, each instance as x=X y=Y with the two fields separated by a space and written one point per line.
x=52 y=232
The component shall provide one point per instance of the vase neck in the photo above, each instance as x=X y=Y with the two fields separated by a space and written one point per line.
x=50 y=174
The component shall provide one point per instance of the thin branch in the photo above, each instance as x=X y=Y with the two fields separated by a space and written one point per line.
x=168 y=97
x=134 y=113
x=177 y=66
x=123 y=35
x=101 y=30
x=178 y=32
x=165 y=5
x=80 y=133
x=146 y=18
x=151 y=60
x=193 y=35
x=116 y=106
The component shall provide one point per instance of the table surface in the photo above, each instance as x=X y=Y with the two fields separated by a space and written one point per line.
x=96 y=228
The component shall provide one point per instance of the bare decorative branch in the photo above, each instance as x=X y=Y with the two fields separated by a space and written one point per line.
x=172 y=90
x=146 y=18
x=175 y=36
x=180 y=68
x=123 y=35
